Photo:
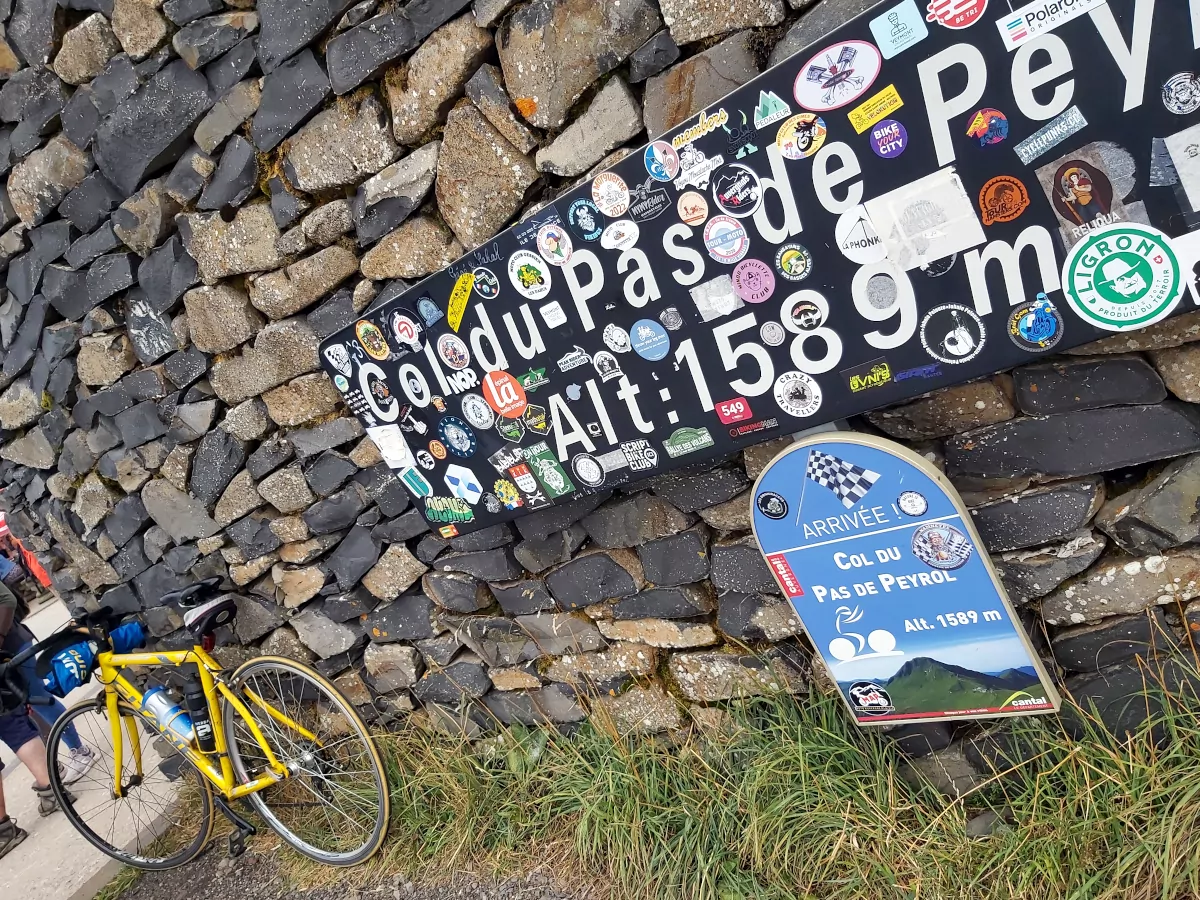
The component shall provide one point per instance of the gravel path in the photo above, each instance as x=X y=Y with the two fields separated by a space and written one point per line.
x=256 y=877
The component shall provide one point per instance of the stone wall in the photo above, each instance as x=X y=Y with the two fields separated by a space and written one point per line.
x=198 y=191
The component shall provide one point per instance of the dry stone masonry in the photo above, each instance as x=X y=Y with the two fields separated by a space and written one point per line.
x=197 y=193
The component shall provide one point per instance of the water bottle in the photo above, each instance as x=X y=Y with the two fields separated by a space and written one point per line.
x=198 y=713
x=168 y=714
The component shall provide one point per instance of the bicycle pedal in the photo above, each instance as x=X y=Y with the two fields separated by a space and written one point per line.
x=237 y=844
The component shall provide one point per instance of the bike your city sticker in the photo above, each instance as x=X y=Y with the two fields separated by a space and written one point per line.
x=878 y=556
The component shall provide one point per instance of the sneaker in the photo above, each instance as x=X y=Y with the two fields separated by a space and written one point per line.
x=10 y=835
x=47 y=804
x=77 y=764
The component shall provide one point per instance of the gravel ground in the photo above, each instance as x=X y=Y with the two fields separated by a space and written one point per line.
x=256 y=877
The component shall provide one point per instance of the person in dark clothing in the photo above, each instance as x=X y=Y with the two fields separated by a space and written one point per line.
x=18 y=731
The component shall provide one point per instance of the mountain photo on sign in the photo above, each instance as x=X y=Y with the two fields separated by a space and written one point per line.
x=933 y=192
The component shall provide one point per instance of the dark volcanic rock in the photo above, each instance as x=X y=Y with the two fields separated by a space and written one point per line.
x=737 y=565
x=166 y=273
x=253 y=536
x=521 y=598
x=407 y=618
x=595 y=576
x=1038 y=516
x=653 y=56
x=354 y=557
x=1078 y=443
x=429 y=15
x=290 y=94
x=1090 y=648
x=235 y=178
x=459 y=681
x=202 y=41
x=678 y=559
x=1159 y=515
x=90 y=202
x=692 y=492
x=152 y=128
x=34 y=29
x=287 y=25
x=685 y=602
x=224 y=73
x=218 y=458
x=366 y=50
x=92 y=246
x=1075 y=384
x=337 y=512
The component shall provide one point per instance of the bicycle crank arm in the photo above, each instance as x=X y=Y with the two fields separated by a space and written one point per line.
x=237 y=840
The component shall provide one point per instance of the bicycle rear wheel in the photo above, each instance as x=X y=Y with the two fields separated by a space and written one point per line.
x=334 y=807
x=164 y=817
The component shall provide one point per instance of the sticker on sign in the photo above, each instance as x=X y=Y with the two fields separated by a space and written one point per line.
x=1037 y=18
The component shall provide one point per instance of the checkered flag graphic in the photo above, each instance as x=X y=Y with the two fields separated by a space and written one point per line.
x=848 y=482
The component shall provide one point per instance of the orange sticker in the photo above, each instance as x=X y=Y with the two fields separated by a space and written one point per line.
x=448 y=531
x=438 y=449
x=504 y=394
x=1003 y=199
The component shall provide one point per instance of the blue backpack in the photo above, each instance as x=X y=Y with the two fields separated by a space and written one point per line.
x=71 y=667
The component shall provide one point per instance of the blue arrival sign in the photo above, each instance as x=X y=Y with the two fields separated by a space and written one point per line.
x=878 y=556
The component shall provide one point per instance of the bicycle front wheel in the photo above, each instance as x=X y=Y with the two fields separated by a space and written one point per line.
x=163 y=816
x=334 y=806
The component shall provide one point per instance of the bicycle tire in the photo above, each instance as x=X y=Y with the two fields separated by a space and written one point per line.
x=159 y=809
x=305 y=759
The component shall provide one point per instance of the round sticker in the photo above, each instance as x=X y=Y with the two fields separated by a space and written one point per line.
x=1181 y=94
x=737 y=190
x=453 y=351
x=952 y=333
x=662 y=162
x=838 y=75
x=671 y=319
x=941 y=546
x=794 y=262
x=797 y=394
x=584 y=219
x=372 y=340
x=988 y=126
x=620 y=235
x=379 y=391
x=611 y=194
x=437 y=449
x=407 y=330
x=959 y=14
x=804 y=313
x=529 y=274
x=504 y=394
x=1082 y=193
x=692 y=208
x=1122 y=277
x=476 y=411
x=857 y=238
x=912 y=503
x=650 y=340
x=801 y=136
x=425 y=458
x=554 y=243
x=588 y=470
x=726 y=239
x=487 y=285
x=457 y=436
x=771 y=505
x=889 y=139
x=753 y=281
x=1035 y=326
x=507 y=493
x=616 y=338
x=1003 y=199
x=867 y=697
x=772 y=334
x=341 y=383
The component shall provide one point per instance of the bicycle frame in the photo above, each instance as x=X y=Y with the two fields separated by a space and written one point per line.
x=215 y=766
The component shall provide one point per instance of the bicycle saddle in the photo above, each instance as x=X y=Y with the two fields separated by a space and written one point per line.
x=208 y=617
x=193 y=594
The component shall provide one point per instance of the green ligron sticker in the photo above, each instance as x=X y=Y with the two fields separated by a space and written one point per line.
x=1123 y=277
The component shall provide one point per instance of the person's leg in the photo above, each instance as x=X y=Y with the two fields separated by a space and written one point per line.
x=10 y=834
x=18 y=731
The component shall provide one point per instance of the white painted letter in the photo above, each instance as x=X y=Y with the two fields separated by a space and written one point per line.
x=582 y=293
x=1130 y=60
x=1035 y=236
x=642 y=277
x=561 y=415
x=941 y=110
x=1025 y=79
x=535 y=345
x=824 y=181
x=488 y=332
x=683 y=254
x=781 y=185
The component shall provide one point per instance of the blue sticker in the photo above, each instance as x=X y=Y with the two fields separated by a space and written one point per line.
x=881 y=563
x=428 y=311
x=650 y=340
x=585 y=220
x=899 y=28
x=457 y=436
x=342 y=384
x=415 y=482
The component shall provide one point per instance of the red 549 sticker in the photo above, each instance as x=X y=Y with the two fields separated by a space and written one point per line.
x=735 y=410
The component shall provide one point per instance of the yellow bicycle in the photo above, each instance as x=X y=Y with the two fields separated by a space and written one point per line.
x=282 y=737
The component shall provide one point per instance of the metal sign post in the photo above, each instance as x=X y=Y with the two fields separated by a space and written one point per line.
x=878 y=555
